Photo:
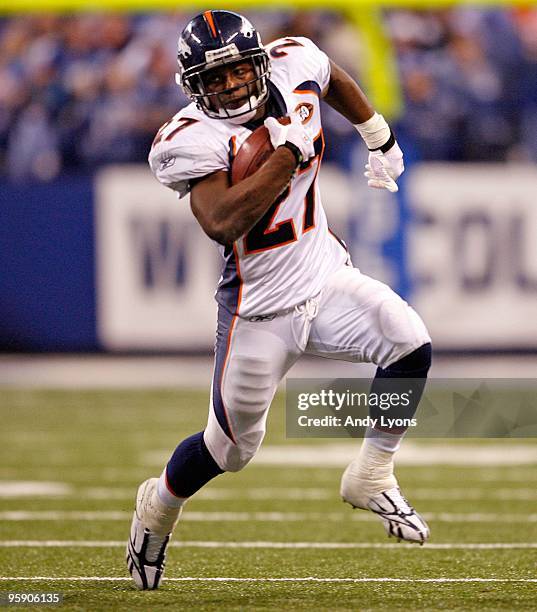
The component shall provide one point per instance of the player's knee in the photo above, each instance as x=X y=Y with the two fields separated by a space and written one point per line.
x=394 y=321
x=239 y=455
x=232 y=463
x=415 y=363
x=400 y=324
x=239 y=462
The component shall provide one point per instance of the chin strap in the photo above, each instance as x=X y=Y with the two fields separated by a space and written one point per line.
x=243 y=114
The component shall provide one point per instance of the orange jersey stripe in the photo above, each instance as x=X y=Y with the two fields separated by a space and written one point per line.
x=306 y=91
x=208 y=16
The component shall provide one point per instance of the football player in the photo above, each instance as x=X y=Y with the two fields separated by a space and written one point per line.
x=287 y=286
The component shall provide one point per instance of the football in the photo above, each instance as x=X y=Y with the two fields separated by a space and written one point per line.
x=253 y=153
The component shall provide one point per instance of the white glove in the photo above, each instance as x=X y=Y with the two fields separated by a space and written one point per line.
x=383 y=169
x=294 y=133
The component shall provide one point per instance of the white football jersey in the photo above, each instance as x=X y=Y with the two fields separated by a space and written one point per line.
x=287 y=256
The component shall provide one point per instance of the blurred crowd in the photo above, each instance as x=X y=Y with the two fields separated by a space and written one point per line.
x=78 y=91
x=470 y=83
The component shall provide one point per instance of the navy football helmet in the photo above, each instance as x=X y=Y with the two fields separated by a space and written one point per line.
x=215 y=38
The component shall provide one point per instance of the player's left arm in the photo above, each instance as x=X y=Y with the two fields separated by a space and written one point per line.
x=385 y=163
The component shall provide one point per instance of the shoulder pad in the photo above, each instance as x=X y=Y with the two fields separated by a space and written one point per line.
x=187 y=147
x=301 y=58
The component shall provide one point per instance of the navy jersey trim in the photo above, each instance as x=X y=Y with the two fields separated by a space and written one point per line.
x=309 y=86
x=228 y=296
x=225 y=321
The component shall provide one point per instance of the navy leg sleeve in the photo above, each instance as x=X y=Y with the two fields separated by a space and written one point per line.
x=191 y=466
x=407 y=374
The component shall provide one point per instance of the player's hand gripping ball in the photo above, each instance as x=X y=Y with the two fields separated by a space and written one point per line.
x=260 y=145
x=295 y=133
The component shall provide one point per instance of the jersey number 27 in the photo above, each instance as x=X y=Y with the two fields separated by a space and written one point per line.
x=263 y=236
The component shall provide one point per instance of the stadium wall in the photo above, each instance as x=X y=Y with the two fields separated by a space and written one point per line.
x=47 y=278
x=115 y=262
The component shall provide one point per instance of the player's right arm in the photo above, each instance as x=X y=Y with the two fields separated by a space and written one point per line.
x=227 y=213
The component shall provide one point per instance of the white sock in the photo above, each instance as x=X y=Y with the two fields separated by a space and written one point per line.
x=166 y=497
x=383 y=440
x=156 y=516
x=374 y=463
x=368 y=475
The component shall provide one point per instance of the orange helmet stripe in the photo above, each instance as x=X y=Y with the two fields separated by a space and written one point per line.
x=208 y=15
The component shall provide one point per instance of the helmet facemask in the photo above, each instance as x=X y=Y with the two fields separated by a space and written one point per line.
x=213 y=104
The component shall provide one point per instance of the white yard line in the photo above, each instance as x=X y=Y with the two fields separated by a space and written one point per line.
x=31 y=489
x=111 y=477
x=410 y=453
x=302 y=494
x=216 y=493
x=59 y=515
x=427 y=454
x=473 y=493
x=278 y=517
x=233 y=579
x=277 y=545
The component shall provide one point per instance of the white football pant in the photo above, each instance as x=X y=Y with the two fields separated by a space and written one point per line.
x=354 y=318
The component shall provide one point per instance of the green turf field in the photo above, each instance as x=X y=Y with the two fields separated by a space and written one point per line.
x=277 y=535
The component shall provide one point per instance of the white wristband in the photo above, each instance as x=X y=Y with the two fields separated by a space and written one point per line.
x=375 y=131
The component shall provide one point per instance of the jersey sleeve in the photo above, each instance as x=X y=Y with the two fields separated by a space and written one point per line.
x=306 y=57
x=185 y=151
